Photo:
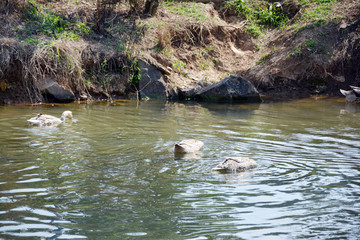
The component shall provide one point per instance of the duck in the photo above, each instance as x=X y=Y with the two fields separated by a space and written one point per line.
x=232 y=164
x=48 y=120
x=356 y=90
x=352 y=95
x=188 y=146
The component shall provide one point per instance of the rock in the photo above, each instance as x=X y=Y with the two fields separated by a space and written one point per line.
x=235 y=164
x=188 y=93
x=230 y=89
x=54 y=92
x=152 y=83
x=188 y=146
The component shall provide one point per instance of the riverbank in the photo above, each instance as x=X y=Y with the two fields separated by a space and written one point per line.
x=105 y=53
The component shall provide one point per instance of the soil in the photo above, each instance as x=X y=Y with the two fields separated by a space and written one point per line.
x=190 y=50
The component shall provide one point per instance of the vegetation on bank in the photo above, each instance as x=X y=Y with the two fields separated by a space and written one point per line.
x=289 y=14
x=92 y=47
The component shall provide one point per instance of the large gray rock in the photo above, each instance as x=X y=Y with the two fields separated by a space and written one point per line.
x=52 y=91
x=230 y=89
x=152 y=83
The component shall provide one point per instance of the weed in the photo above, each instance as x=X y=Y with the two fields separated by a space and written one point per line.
x=41 y=21
x=254 y=30
x=267 y=56
x=87 y=81
x=310 y=44
x=296 y=52
x=167 y=53
x=136 y=75
x=180 y=67
x=263 y=59
x=103 y=64
x=271 y=16
x=32 y=40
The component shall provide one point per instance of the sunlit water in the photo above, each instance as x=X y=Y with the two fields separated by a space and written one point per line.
x=111 y=173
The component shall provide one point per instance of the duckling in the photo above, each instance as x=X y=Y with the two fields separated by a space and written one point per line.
x=350 y=95
x=48 y=120
x=356 y=90
x=188 y=146
x=236 y=164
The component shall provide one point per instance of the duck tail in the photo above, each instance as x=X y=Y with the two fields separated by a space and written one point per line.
x=344 y=92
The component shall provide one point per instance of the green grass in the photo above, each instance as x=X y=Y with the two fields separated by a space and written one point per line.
x=310 y=45
x=187 y=10
x=267 y=56
x=314 y=14
x=42 y=21
x=262 y=14
x=259 y=14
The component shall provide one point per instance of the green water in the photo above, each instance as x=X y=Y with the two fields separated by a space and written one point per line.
x=111 y=173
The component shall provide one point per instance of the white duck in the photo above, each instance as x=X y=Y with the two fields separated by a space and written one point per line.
x=48 y=120
x=188 y=146
x=236 y=164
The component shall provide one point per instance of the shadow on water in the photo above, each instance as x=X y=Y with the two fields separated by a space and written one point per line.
x=112 y=173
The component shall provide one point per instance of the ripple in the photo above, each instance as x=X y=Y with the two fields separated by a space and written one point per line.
x=112 y=174
x=25 y=190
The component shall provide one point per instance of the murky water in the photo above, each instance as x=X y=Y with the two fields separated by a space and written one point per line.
x=111 y=173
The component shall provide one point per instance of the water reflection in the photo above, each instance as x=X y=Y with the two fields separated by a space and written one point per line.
x=112 y=173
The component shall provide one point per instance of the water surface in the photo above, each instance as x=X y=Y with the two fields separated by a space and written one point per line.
x=111 y=173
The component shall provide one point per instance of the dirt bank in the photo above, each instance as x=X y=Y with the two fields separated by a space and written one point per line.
x=189 y=42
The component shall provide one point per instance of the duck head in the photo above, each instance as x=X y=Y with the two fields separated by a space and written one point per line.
x=66 y=114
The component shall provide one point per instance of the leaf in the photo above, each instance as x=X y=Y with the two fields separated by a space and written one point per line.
x=3 y=85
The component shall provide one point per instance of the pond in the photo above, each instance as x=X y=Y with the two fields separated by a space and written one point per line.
x=111 y=172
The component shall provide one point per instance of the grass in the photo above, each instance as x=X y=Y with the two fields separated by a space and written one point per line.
x=310 y=45
x=267 y=56
x=180 y=67
x=191 y=11
x=39 y=20
x=314 y=14
x=317 y=10
x=262 y=14
x=259 y=14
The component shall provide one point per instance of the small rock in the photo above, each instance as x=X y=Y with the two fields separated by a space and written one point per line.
x=235 y=164
x=188 y=146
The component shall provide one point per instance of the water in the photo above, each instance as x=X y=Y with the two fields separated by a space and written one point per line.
x=111 y=173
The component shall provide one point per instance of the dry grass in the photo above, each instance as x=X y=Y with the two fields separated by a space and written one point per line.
x=164 y=36
x=14 y=66
x=9 y=6
x=61 y=60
